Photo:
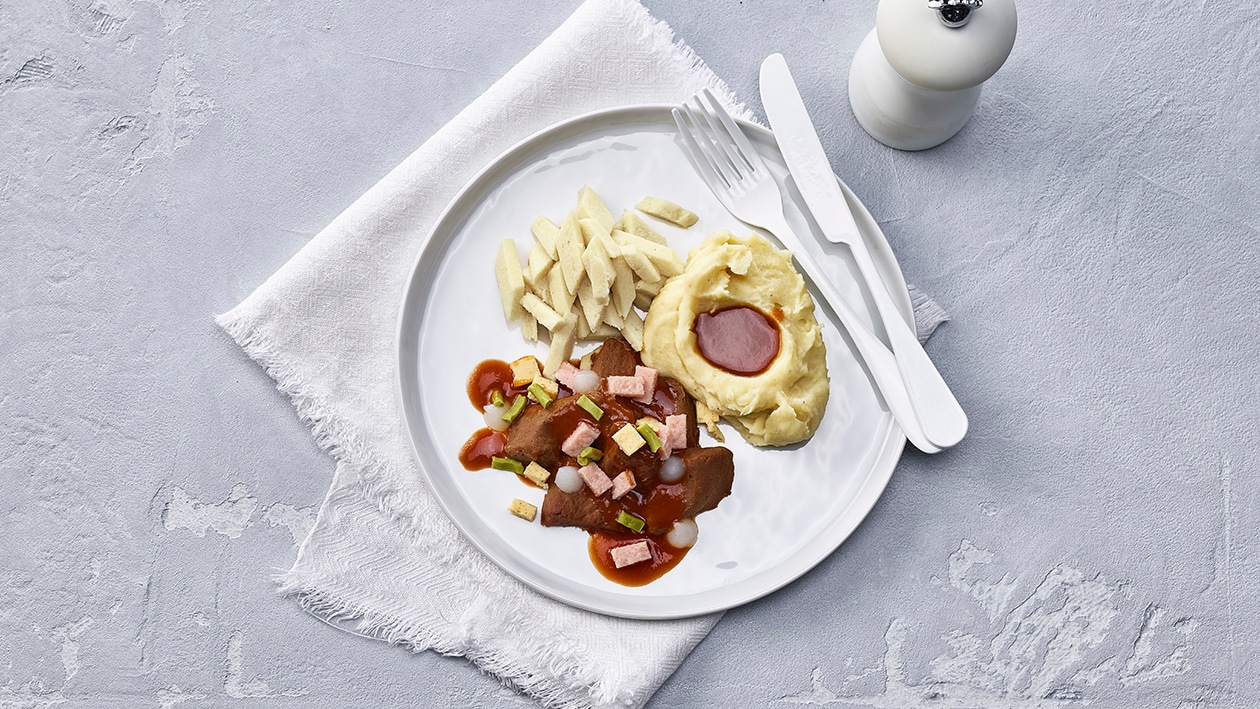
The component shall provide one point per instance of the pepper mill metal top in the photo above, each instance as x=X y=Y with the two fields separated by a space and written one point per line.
x=954 y=13
x=930 y=55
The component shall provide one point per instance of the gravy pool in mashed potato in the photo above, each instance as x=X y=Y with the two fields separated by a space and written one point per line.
x=737 y=329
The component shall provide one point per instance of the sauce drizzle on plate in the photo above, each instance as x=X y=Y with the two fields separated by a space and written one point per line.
x=488 y=377
x=665 y=556
x=480 y=448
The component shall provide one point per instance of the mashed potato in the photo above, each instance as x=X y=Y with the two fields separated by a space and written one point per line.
x=780 y=405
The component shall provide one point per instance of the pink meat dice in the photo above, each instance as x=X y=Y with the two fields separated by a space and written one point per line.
x=629 y=387
x=595 y=478
x=673 y=434
x=648 y=375
x=622 y=484
x=582 y=436
x=676 y=429
x=628 y=554
x=565 y=375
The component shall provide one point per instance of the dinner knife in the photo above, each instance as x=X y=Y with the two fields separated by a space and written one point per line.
x=943 y=420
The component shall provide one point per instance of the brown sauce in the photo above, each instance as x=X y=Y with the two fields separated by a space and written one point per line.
x=490 y=376
x=483 y=445
x=665 y=556
x=480 y=448
x=568 y=415
x=667 y=392
x=741 y=340
x=660 y=506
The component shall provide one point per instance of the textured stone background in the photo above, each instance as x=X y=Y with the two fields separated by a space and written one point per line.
x=1095 y=231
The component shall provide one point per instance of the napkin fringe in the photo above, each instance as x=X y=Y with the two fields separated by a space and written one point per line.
x=928 y=314
x=662 y=36
x=544 y=661
x=330 y=435
x=537 y=676
x=541 y=656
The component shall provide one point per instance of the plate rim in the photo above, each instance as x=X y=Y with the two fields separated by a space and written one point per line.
x=757 y=586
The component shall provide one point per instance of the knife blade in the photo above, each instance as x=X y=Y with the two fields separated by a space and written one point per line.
x=804 y=154
x=943 y=420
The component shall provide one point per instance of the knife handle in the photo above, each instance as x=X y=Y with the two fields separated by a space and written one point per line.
x=943 y=420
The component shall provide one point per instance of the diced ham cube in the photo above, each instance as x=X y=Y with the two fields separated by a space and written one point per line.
x=565 y=375
x=582 y=437
x=629 y=387
x=673 y=434
x=628 y=554
x=595 y=478
x=676 y=429
x=622 y=484
x=648 y=375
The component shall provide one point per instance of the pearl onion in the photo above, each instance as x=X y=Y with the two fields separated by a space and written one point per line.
x=585 y=382
x=568 y=480
x=672 y=470
x=683 y=534
x=494 y=418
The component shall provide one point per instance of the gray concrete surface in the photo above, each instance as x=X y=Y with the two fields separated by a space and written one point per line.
x=1095 y=231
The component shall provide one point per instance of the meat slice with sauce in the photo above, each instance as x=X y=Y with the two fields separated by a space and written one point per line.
x=707 y=480
x=615 y=358
x=532 y=438
x=539 y=433
x=710 y=472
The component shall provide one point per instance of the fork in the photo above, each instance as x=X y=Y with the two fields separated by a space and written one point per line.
x=729 y=164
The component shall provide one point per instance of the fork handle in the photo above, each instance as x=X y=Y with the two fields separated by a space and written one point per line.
x=880 y=363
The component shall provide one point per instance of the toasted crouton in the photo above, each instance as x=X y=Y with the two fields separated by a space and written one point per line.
x=628 y=439
x=537 y=474
x=523 y=509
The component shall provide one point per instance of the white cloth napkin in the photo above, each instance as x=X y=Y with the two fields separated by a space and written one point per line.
x=382 y=559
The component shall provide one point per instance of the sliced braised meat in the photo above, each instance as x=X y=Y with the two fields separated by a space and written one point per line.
x=577 y=509
x=614 y=358
x=531 y=438
x=708 y=478
x=539 y=434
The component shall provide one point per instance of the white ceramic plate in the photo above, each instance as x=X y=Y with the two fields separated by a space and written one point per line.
x=788 y=509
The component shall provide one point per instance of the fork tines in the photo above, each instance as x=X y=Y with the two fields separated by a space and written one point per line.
x=718 y=146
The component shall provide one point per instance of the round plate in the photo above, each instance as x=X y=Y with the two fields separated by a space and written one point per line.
x=788 y=509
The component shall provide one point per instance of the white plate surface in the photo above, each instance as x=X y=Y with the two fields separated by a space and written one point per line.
x=788 y=509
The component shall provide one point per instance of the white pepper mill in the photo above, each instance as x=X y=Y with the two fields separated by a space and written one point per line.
x=916 y=78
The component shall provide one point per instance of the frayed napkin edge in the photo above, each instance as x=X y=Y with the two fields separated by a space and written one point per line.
x=556 y=686
x=928 y=314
